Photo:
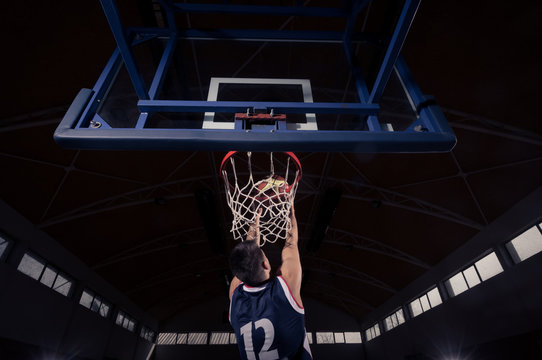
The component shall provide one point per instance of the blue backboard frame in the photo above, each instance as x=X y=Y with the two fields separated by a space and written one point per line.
x=82 y=127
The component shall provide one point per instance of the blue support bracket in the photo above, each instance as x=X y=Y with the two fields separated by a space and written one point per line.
x=394 y=48
x=260 y=10
x=101 y=87
x=159 y=77
x=241 y=106
x=303 y=36
x=123 y=44
x=218 y=140
x=170 y=16
x=430 y=117
x=361 y=86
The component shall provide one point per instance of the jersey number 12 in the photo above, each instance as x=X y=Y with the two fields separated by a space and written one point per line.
x=265 y=353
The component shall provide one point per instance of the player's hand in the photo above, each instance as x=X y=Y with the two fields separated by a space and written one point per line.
x=254 y=230
x=293 y=233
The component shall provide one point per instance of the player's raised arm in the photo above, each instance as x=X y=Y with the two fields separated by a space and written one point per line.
x=254 y=230
x=291 y=263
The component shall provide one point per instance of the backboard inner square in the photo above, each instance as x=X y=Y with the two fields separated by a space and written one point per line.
x=215 y=85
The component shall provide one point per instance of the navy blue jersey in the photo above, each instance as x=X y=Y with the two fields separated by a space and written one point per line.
x=268 y=322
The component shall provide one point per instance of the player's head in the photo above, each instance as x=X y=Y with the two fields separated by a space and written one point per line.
x=249 y=263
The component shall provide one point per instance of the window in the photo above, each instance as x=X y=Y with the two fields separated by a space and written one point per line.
x=182 y=338
x=219 y=338
x=225 y=338
x=394 y=320
x=39 y=270
x=456 y=284
x=199 y=338
x=167 y=338
x=488 y=266
x=434 y=297
x=147 y=334
x=339 y=338
x=4 y=243
x=352 y=337
x=324 y=338
x=31 y=266
x=372 y=332
x=482 y=270
x=526 y=244
x=95 y=303
x=425 y=302
x=126 y=321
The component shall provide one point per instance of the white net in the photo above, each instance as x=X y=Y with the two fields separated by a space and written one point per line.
x=273 y=193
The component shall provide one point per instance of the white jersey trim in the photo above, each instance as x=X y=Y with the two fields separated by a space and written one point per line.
x=289 y=296
x=253 y=289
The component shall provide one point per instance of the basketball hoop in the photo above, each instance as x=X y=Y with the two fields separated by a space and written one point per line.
x=270 y=188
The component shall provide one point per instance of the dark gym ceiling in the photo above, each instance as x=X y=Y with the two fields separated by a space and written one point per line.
x=133 y=217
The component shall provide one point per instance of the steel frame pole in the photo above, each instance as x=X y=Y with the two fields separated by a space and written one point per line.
x=121 y=37
x=394 y=48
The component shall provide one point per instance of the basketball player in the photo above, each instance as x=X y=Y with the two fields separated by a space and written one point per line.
x=266 y=312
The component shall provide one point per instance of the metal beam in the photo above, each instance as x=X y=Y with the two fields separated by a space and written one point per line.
x=173 y=273
x=262 y=46
x=522 y=137
x=467 y=184
x=375 y=246
x=492 y=127
x=113 y=17
x=272 y=35
x=67 y=172
x=29 y=124
x=394 y=48
x=179 y=296
x=334 y=291
x=218 y=140
x=149 y=246
x=389 y=197
x=316 y=11
x=354 y=273
x=242 y=106
x=90 y=172
x=443 y=178
x=134 y=197
x=399 y=200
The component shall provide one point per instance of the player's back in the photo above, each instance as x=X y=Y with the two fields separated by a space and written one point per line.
x=268 y=322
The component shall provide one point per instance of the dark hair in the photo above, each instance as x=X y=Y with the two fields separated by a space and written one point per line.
x=246 y=263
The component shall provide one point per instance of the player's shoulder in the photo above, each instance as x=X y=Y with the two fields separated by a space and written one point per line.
x=285 y=289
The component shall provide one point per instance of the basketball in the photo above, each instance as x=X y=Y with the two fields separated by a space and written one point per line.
x=272 y=186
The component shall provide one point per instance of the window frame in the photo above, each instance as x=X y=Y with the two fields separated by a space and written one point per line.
x=147 y=334
x=394 y=319
x=214 y=336
x=372 y=332
x=126 y=319
x=325 y=337
x=348 y=339
x=418 y=299
x=48 y=266
x=9 y=243
x=194 y=336
x=511 y=249
x=97 y=299
x=447 y=284
x=161 y=337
